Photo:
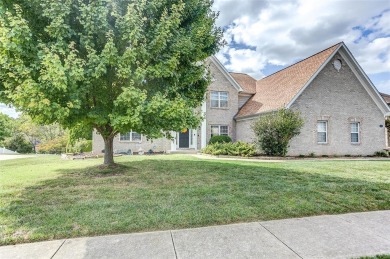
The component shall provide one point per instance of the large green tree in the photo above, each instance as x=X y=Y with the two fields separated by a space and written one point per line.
x=111 y=65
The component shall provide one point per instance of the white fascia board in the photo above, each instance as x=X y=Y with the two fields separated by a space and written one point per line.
x=370 y=88
x=312 y=78
x=222 y=68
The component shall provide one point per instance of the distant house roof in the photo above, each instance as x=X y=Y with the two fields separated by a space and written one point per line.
x=277 y=90
x=247 y=83
x=386 y=97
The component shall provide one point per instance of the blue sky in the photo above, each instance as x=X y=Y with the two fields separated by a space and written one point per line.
x=265 y=36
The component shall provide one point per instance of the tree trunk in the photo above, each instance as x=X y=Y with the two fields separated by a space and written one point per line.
x=108 y=150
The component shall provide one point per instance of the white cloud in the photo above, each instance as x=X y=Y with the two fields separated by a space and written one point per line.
x=282 y=32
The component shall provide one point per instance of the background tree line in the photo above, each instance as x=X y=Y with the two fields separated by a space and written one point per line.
x=23 y=135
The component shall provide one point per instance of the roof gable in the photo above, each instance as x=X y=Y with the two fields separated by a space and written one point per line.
x=364 y=80
x=282 y=88
x=223 y=70
x=277 y=90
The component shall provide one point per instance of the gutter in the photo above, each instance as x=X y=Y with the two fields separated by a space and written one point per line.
x=247 y=117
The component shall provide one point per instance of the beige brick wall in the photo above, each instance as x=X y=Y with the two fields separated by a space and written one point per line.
x=340 y=98
x=221 y=116
x=157 y=145
x=244 y=131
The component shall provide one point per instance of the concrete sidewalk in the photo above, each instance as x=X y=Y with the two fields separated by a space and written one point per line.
x=337 y=236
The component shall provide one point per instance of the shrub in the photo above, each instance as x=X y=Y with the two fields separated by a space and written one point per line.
x=275 y=130
x=81 y=145
x=231 y=149
x=220 y=139
x=53 y=146
x=381 y=153
x=19 y=144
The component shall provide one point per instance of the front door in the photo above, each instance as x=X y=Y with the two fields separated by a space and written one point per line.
x=184 y=139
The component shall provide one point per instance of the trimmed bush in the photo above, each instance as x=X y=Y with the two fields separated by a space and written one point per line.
x=231 y=149
x=275 y=130
x=220 y=139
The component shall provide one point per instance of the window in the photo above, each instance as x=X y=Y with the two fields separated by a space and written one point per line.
x=130 y=136
x=322 y=132
x=218 y=130
x=355 y=138
x=219 y=99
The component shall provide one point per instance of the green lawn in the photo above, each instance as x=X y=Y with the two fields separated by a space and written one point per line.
x=48 y=198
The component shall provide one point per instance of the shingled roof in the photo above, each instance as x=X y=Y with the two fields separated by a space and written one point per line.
x=247 y=83
x=386 y=97
x=277 y=90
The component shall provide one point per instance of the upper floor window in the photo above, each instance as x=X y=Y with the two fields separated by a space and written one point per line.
x=355 y=138
x=130 y=136
x=322 y=132
x=219 y=99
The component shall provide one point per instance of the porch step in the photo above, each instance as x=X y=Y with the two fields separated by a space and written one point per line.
x=183 y=151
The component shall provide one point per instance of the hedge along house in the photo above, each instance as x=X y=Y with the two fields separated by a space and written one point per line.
x=342 y=110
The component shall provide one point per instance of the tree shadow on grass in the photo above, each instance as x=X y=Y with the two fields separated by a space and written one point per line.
x=167 y=194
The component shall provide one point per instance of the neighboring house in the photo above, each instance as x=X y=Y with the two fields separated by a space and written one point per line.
x=342 y=110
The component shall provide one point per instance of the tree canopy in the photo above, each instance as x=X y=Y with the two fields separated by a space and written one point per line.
x=111 y=65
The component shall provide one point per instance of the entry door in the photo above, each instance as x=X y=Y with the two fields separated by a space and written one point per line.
x=184 y=139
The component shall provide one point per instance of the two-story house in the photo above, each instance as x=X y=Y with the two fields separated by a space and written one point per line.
x=342 y=110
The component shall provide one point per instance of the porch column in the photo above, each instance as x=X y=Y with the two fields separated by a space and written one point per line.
x=173 y=141
x=203 y=141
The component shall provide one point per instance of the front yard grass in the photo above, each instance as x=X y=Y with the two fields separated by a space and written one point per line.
x=47 y=198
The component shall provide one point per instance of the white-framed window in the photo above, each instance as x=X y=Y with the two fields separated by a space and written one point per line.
x=219 y=99
x=355 y=136
x=322 y=132
x=217 y=130
x=130 y=136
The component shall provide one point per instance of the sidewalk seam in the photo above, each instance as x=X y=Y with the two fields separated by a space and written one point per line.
x=280 y=240
x=173 y=243
x=58 y=249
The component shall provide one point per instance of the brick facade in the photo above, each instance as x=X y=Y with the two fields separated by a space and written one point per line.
x=339 y=98
x=221 y=116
